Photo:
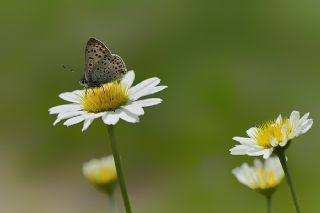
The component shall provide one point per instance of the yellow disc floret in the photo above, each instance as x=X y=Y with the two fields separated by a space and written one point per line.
x=101 y=172
x=272 y=129
x=267 y=180
x=103 y=175
x=107 y=97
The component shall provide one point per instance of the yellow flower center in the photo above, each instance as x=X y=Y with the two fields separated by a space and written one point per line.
x=271 y=129
x=107 y=97
x=102 y=176
x=266 y=181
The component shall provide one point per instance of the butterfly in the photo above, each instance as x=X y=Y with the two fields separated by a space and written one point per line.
x=101 y=66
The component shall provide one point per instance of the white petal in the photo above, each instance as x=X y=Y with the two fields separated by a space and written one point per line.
x=273 y=142
x=279 y=119
x=294 y=118
x=70 y=96
x=128 y=79
x=74 y=120
x=239 y=150
x=267 y=153
x=147 y=102
x=56 y=121
x=156 y=89
x=135 y=109
x=66 y=115
x=65 y=108
x=128 y=116
x=111 y=118
x=284 y=136
x=257 y=163
x=245 y=141
x=256 y=151
x=252 y=132
x=284 y=143
x=306 y=126
x=304 y=118
x=87 y=123
x=143 y=88
x=295 y=132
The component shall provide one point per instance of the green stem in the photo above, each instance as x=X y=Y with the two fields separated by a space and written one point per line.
x=282 y=158
x=112 y=202
x=120 y=174
x=268 y=197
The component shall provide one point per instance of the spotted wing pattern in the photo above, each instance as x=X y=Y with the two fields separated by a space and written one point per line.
x=101 y=66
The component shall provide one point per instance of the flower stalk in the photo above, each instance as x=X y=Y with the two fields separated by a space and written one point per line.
x=269 y=204
x=112 y=202
x=282 y=157
x=120 y=173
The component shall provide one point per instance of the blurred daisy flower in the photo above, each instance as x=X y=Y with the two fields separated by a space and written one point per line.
x=262 y=176
x=111 y=101
x=101 y=173
x=265 y=138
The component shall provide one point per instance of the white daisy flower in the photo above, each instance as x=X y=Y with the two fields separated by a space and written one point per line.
x=111 y=102
x=101 y=172
x=264 y=139
x=261 y=176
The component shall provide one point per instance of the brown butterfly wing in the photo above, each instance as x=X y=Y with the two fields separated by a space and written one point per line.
x=95 y=53
x=109 y=69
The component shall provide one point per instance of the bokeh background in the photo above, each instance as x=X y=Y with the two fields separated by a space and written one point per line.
x=229 y=65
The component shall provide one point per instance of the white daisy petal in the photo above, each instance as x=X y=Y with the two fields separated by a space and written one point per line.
x=87 y=123
x=66 y=115
x=267 y=153
x=239 y=150
x=304 y=118
x=256 y=151
x=284 y=143
x=71 y=97
x=56 y=121
x=111 y=118
x=274 y=142
x=245 y=141
x=294 y=132
x=65 y=108
x=134 y=109
x=252 y=132
x=156 y=89
x=79 y=92
x=279 y=119
x=74 y=120
x=147 y=102
x=128 y=116
x=128 y=79
x=294 y=117
x=142 y=89
x=306 y=126
x=257 y=163
x=284 y=136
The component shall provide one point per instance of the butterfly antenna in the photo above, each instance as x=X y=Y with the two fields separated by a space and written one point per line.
x=66 y=68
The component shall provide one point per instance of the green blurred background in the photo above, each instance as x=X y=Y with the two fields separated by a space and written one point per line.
x=229 y=65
